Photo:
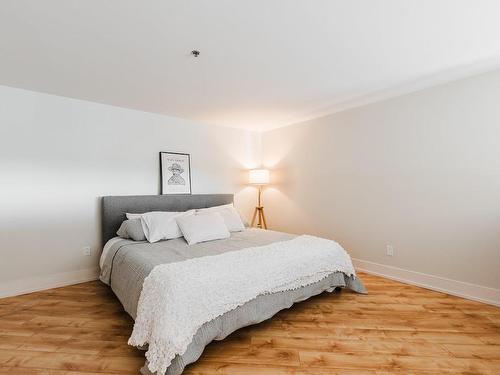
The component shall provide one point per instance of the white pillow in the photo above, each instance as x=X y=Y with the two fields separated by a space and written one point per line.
x=229 y=214
x=138 y=216
x=133 y=216
x=159 y=226
x=216 y=208
x=200 y=228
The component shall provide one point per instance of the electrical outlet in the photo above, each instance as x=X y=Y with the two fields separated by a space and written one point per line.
x=390 y=250
x=87 y=251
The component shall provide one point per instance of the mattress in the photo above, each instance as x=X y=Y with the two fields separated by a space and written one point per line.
x=125 y=264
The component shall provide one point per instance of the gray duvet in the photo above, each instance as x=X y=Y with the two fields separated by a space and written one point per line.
x=128 y=263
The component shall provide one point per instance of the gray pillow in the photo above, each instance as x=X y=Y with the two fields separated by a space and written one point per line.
x=132 y=229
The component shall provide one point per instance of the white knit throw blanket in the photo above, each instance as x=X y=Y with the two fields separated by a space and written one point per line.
x=178 y=298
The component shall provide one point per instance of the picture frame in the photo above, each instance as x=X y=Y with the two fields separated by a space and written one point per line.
x=175 y=173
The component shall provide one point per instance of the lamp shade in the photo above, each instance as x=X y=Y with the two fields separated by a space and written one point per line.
x=258 y=176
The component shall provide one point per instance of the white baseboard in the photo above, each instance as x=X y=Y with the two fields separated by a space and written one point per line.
x=441 y=284
x=35 y=284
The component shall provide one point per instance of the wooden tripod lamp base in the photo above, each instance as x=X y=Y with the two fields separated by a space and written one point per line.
x=261 y=221
x=259 y=177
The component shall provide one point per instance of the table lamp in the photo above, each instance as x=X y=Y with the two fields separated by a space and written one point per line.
x=259 y=177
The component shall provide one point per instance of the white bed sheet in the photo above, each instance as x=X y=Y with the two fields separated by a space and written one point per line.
x=106 y=249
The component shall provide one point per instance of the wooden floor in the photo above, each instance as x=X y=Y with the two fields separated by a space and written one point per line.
x=396 y=329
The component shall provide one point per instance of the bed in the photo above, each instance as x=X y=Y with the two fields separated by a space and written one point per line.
x=125 y=264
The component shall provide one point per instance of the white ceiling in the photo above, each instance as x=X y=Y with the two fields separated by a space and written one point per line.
x=263 y=63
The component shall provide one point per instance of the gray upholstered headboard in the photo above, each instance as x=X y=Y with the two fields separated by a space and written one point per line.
x=114 y=208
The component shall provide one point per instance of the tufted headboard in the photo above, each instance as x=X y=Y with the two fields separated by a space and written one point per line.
x=114 y=208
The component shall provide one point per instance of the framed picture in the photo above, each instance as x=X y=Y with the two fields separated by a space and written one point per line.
x=175 y=173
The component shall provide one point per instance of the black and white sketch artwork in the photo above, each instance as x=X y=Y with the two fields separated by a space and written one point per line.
x=175 y=173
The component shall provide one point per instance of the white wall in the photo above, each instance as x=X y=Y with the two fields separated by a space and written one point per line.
x=420 y=172
x=58 y=155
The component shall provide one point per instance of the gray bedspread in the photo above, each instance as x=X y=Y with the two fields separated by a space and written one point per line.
x=127 y=264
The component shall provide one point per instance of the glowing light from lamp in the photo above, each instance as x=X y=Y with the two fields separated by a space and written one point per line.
x=258 y=176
